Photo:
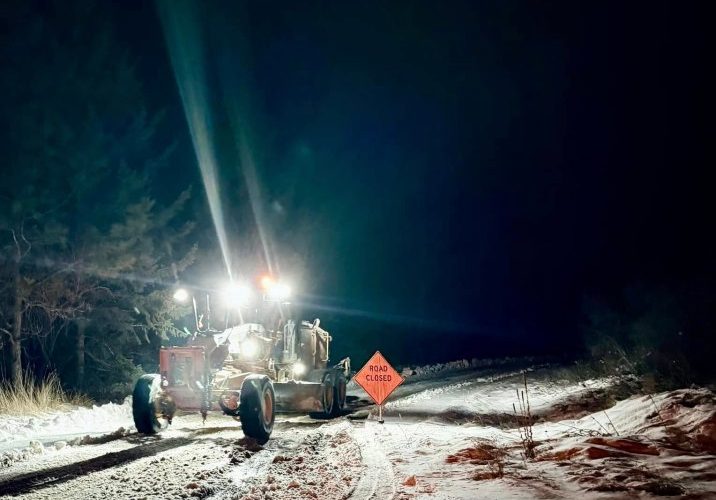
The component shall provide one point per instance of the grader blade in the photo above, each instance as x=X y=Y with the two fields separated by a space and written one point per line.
x=298 y=396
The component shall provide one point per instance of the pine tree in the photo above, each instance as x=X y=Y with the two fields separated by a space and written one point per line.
x=85 y=252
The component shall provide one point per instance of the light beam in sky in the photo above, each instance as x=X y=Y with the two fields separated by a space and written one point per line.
x=183 y=38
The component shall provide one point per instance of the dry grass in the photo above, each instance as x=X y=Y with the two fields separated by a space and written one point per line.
x=525 y=421
x=29 y=396
x=486 y=453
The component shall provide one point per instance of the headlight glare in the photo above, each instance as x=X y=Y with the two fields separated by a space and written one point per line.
x=249 y=348
x=237 y=295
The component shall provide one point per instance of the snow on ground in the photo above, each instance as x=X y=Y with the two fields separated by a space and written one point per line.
x=450 y=435
x=490 y=395
x=324 y=463
x=460 y=440
x=305 y=459
x=27 y=435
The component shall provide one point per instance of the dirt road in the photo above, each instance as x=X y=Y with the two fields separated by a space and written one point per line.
x=447 y=435
x=306 y=458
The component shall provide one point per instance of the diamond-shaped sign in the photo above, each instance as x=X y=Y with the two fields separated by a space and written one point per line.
x=378 y=378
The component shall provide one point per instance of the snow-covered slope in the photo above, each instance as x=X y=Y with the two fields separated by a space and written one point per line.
x=460 y=439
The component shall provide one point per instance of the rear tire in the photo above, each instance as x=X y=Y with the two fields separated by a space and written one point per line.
x=144 y=410
x=328 y=392
x=339 y=394
x=257 y=407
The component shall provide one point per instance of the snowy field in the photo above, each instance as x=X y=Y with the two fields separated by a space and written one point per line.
x=450 y=432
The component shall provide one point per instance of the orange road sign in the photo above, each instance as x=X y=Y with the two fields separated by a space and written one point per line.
x=378 y=378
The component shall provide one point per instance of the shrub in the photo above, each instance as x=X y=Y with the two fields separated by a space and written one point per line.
x=642 y=336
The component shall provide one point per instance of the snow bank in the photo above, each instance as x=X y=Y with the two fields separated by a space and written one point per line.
x=685 y=419
x=23 y=435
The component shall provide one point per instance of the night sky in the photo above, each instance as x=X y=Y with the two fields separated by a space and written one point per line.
x=469 y=170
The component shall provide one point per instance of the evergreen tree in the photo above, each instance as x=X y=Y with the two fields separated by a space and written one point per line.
x=86 y=250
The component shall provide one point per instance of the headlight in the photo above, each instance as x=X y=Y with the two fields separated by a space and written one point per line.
x=299 y=369
x=279 y=291
x=236 y=295
x=181 y=295
x=267 y=282
x=274 y=290
x=249 y=348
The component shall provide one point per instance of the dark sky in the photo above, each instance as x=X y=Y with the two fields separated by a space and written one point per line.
x=472 y=167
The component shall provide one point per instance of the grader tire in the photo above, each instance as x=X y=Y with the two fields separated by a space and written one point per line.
x=339 y=394
x=257 y=407
x=328 y=392
x=144 y=409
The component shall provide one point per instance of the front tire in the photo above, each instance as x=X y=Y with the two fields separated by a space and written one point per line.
x=144 y=409
x=257 y=407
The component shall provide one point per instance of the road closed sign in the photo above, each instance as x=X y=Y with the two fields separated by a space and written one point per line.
x=378 y=378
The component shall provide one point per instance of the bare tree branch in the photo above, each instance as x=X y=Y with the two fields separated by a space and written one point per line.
x=22 y=235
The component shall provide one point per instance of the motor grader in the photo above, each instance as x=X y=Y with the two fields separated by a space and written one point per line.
x=266 y=362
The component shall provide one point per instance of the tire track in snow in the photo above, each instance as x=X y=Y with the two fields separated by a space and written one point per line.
x=253 y=471
x=35 y=480
x=377 y=479
x=303 y=463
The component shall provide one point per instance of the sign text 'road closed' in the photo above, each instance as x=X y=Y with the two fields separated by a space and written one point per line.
x=378 y=378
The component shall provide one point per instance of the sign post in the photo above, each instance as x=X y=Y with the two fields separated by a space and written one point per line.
x=378 y=379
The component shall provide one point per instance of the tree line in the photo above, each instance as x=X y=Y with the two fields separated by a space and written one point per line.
x=88 y=246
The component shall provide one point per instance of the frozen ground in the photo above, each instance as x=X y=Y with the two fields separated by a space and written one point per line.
x=449 y=433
